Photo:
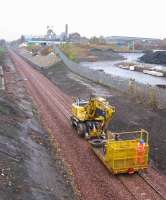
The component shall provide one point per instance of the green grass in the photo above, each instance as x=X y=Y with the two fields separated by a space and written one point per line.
x=4 y=110
x=2 y=50
x=68 y=50
x=2 y=55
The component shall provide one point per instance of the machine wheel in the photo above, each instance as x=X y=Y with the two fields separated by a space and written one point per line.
x=81 y=129
x=72 y=122
x=97 y=143
x=103 y=149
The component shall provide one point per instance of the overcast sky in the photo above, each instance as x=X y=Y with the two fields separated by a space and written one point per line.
x=145 y=18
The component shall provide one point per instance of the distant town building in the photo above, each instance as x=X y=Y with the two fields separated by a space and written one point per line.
x=126 y=39
x=76 y=38
x=131 y=42
x=62 y=36
x=84 y=40
x=51 y=35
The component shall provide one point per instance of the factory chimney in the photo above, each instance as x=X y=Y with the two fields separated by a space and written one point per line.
x=66 y=31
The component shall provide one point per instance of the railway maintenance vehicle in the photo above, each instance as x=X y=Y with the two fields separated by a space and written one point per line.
x=91 y=118
x=125 y=152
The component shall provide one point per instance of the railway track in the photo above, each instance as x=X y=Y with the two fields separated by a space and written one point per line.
x=152 y=185
x=93 y=180
x=136 y=182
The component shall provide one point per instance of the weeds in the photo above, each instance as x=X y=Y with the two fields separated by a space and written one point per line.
x=67 y=49
x=146 y=95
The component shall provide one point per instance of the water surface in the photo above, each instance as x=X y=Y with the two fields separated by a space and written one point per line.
x=110 y=68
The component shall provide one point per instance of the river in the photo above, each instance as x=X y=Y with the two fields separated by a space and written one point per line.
x=130 y=57
x=110 y=68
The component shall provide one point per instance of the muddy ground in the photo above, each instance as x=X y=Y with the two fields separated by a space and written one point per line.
x=30 y=169
x=130 y=114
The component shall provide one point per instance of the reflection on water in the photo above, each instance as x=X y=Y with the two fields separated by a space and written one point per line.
x=109 y=68
x=131 y=56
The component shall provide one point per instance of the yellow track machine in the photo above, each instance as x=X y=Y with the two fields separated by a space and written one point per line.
x=91 y=118
x=125 y=152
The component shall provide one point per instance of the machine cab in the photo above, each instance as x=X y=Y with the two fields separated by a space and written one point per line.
x=78 y=109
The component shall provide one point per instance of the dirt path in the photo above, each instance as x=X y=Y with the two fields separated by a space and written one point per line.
x=92 y=178
x=29 y=169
